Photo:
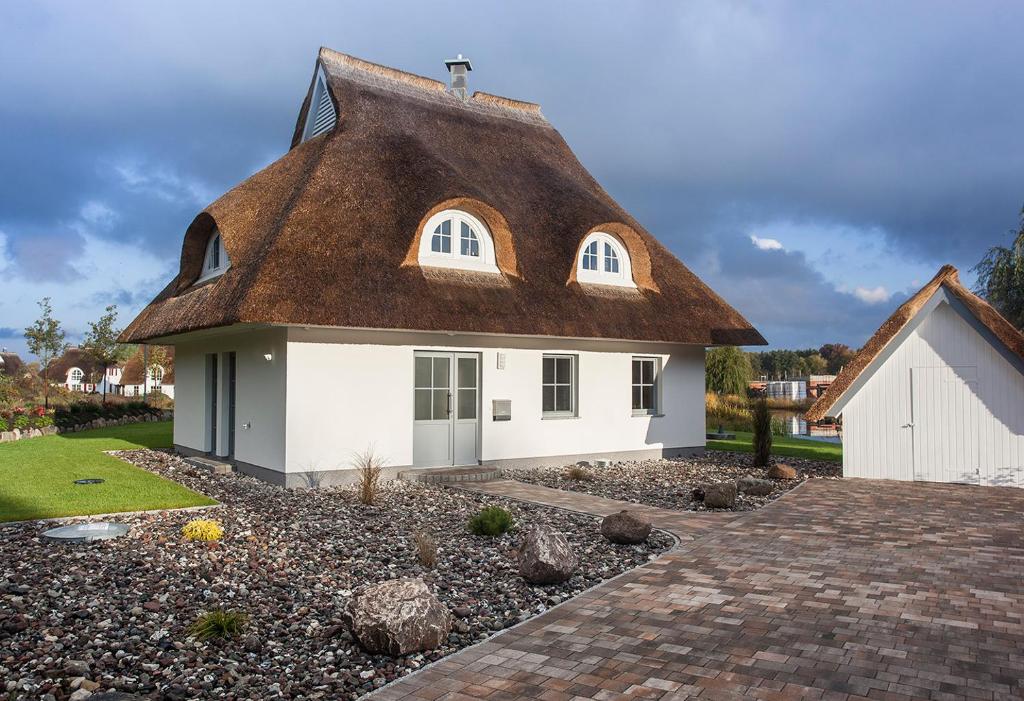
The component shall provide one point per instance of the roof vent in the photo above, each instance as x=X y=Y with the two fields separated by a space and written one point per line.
x=459 y=68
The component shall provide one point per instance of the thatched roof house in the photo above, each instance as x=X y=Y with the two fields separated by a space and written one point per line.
x=10 y=364
x=406 y=205
x=936 y=394
x=75 y=369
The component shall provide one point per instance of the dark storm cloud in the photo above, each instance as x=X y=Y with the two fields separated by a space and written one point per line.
x=705 y=120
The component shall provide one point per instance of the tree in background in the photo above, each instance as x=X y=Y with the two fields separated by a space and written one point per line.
x=1001 y=278
x=101 y=342
x=754 y=361
x=45 y=340
x=815 y=364
x=836 y=355
x=727 y=370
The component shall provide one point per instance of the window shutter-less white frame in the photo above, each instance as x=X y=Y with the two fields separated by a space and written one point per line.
x=322 y=116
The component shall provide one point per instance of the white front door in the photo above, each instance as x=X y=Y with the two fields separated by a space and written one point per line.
x=946 y=415
x=446 y=405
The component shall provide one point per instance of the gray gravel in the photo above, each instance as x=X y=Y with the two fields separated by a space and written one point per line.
x=669 y=483
x=112 y=615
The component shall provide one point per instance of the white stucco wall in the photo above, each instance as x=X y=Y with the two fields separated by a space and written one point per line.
x=879 y=444
x=349 y=390
x=260 y=399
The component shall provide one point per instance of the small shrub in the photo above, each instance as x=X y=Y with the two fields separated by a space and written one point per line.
x=762 y=421
x=202 y=529
x=426 y=549
x=491 y=520
x=369 y=467
x=577 y=473
x=218 y=623
x=22 y=422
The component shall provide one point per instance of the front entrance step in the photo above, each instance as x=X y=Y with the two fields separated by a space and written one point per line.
x=214 y=467
x=446 y=475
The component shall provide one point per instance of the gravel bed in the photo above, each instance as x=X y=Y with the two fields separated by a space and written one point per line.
x=669 y=483
x=112 y=615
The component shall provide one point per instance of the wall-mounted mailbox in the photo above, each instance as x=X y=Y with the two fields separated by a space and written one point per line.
x=502 y=409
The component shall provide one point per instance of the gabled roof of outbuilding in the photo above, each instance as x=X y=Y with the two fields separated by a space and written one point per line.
x=10 y=363
x=948 y=279
x=327 y=234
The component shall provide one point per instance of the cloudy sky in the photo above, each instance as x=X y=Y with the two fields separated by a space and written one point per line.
x=813 y=161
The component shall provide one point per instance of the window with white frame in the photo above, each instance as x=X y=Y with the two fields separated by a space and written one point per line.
x=75 y=378
x=156 y=377
x=215 y=262
x=322 y=115
x=558 y=386
x=604 y=261
x=457 y=239
x=646 y=379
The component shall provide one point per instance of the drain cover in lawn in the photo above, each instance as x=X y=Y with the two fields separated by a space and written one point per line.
x=85 y=532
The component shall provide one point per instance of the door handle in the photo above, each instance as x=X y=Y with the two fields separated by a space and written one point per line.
x=449 y=404
x=909 y=424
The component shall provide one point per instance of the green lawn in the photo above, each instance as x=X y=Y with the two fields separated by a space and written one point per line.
x=37 y=475
x=782 y=445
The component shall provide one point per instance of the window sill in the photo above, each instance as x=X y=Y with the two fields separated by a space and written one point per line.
x=645 y=415
x=558 y=418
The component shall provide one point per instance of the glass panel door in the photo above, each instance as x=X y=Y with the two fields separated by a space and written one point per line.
x=432 y=409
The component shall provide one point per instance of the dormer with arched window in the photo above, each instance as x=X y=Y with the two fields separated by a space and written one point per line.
x=603 y=260
x=215 y=261
x=456 y=239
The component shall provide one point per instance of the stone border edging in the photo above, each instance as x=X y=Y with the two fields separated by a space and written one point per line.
x=112 y=514
x=16 y=434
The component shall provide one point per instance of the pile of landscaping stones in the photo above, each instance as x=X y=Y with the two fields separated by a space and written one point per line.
x=113 y=615
x=684 y=483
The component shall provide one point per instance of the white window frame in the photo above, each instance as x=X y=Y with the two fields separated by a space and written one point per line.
x=220 y=256
x=622 y=278
x=655 y=385
x=75 y=375
x=573 y=411
x=454 y=258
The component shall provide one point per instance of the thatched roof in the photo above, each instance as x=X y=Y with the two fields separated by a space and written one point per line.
x=327 y=235
x=57 y=370
x=947 y=278
x=10 y=364
x=133 y=372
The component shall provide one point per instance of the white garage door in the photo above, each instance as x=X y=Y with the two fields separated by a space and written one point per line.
x=947 y=414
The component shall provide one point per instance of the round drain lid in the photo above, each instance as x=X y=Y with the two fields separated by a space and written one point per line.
x=85 y=532
x=90 y=480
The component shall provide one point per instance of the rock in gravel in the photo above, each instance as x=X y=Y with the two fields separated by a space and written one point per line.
x=625 y=528
x=721 y=495
x=114 y=696
x=80 y=695
x=15 y=624
x=781 y=471
x=754 y=487
x=398 y=617
x=76 y=668
x=545 y=556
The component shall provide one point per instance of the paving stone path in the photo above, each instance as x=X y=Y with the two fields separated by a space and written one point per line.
x=840 y=590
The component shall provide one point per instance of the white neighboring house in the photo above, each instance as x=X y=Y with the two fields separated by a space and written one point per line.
x=936 y=395
x=137 y=380
x=77 y=371
x=441 y=281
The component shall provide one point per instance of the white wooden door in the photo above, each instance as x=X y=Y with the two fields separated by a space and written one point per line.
x=946 y=417
x=446 y=409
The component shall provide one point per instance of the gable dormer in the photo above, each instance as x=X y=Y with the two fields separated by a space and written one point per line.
x=322 y=114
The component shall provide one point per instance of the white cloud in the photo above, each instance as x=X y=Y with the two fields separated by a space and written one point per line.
x=162 y=183
x=766 y=244
x=872 y=295
x=97 y=214
x=5 y=257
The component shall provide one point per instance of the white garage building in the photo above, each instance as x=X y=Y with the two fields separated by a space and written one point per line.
x=936 y=395
x=432 y=274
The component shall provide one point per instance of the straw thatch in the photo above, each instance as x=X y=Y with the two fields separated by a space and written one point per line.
x=327 y=234
x=74 y=357
x=948 y=278
x=10 y=364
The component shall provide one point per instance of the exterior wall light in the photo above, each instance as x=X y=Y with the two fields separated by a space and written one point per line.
x=268 y=356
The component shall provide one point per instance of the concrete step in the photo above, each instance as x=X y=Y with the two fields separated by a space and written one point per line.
x=447 y=475
x=214 y=467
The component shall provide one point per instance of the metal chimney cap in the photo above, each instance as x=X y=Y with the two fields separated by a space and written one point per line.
x=459 y=61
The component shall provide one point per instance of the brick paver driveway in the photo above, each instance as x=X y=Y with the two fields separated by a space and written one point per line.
x=841 y=590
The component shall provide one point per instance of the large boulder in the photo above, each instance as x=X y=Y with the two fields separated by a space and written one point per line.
x=781 y=471
x=721 y=495
x=398 y=617
x=625 y=528
x=754 y=487
x=545 y=557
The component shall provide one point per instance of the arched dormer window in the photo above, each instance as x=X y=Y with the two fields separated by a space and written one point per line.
x=456 y=239
x=215 y=262
x=76 y=375
x=604 y=261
